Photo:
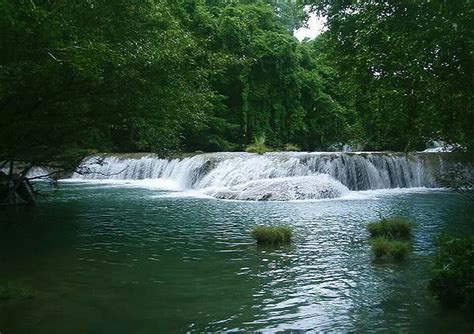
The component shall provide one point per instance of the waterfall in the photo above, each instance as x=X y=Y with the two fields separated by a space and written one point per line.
x=251 y=176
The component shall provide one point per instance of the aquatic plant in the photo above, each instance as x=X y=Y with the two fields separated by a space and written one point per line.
x=258 y=146
x=265 y=235
x=383 y=247
x=394 y=228
x=16 y=291
x=389 y=238
x=452 y=273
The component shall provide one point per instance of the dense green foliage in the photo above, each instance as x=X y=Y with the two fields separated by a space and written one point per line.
x=163 y=76
x=407 y=67
x=258 y=146
x=389 y=238
x=95 y=74
x=156 y=76
x=395 y=228
x=458 y=179
x=453 y=271
x=265 y=235
x=383 y=247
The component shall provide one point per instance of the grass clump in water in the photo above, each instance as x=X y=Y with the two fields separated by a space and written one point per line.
x=16 y=291
x=392 y=228
x=258 y=146
x=265 y=235
x=387 y=248
x=452 y=272
x=390 y=238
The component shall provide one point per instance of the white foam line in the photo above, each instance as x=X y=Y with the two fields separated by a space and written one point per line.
x=351 y=196
x=184 y=194
x=160 y=184
x=176 y=192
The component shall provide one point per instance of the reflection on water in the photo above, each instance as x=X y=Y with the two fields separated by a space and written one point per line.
x=117 y=259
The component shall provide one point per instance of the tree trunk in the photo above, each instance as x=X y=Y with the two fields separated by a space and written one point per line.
x=16 y=186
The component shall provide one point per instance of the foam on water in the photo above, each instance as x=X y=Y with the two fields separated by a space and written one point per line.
x=284 y=189
x=160 y=184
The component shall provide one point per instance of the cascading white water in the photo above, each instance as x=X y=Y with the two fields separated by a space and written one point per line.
x=283 y=189
x=252 y=176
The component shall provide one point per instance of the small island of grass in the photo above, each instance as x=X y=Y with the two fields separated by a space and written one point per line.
x=393 y=228
x=278 y=235
x=390 y=238
x=384 y=247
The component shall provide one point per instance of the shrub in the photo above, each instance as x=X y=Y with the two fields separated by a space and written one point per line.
x=459 y=179
x=265 y=235
x=452 y=273
x=258 y=146
x=387 y=248
x=292 y=148
x=393 y=228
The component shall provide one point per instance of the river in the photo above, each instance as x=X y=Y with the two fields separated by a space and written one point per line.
x=118 y=256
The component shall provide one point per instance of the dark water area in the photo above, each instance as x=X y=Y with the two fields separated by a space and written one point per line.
x=118 y=259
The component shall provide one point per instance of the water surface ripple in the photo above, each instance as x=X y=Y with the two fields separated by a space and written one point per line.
x=118 y=259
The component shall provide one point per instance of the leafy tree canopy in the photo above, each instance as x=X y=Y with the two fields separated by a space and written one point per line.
x=159 y=75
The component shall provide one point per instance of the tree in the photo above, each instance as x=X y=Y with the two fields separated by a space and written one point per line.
x=410 y=65
x=95 y=75
x=267 y=83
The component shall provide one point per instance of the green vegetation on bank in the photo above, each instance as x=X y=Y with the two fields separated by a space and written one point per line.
x=406 y=68
x=183 y=76
x=452 y=274
x=265 y=235
x=291 y=148
x=168 y=76
x=258 y=146
x=390 y=238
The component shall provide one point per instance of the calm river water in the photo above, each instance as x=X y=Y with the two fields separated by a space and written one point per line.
x=120 y=259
